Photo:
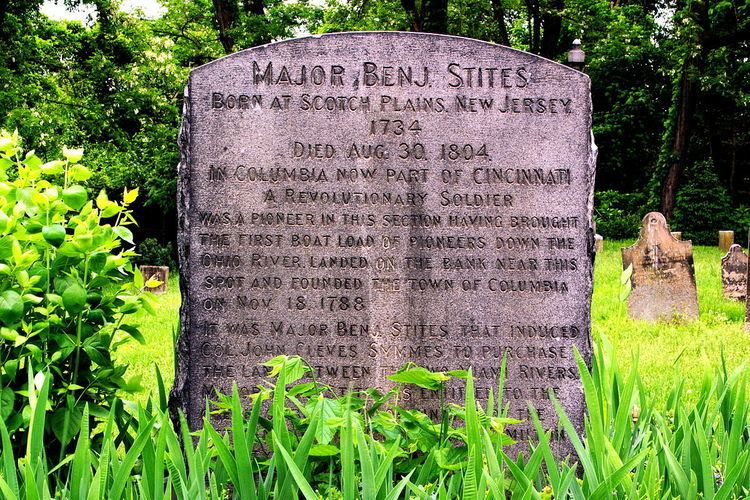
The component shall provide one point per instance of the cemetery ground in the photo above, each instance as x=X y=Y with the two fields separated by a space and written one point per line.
x=667 y=353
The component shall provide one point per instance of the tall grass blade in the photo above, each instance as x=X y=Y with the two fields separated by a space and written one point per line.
x=123 y=473
x=347 y=454
x=81 y=468
x=609 y=484
x=5 y=489
x=675 y=468
x=35 y=441
x=246 y=485
x=366 y=467
x=395 y=493
x=10 y=473
x=733 y=477
x=296 y=473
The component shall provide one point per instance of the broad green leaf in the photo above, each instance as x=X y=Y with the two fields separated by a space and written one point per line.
x=11 y=307
x=625 y=291
x=54 y=234
x=72 y=155
x=626 y=274
x=7 y=398
x=53 y=167
x=324 y=450
x=130 y=196
x=124 y=233
x=74 y=298
x=79 y=173
x=153 y=283
x=421 y=377
x=293 y=366
x=102 y=201
x=75 y=196
x=66 y=423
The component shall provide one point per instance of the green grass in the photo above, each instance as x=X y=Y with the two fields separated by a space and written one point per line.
x=158 y=332
x=667 y=351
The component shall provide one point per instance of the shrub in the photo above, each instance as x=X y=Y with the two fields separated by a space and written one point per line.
x=618 y=215
x=703 y=207
x=153 y=253
x=740 y=224
x=66 y=282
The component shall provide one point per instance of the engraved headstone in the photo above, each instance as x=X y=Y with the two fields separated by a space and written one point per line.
x=368 y=199
x=663 y=277
x=734 y=273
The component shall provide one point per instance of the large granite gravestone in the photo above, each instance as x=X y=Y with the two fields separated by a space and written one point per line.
x=368 y=199
x=734 y=273
x=663 y=276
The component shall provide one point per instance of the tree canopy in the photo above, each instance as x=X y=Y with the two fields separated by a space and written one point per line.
x=670 y=83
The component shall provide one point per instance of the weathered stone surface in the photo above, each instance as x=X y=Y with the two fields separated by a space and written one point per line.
x=726 y=240
x=734 y=273
x=663 y=274
x=160 y=273
x=368 y=199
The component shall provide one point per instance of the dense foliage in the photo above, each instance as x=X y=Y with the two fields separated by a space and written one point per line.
x=670 y=83
x=66 y=284
x=312 y=444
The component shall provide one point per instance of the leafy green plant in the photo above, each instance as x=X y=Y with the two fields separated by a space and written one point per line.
x=66 y=283
x=152 y=252
x=618 y=215
x=703 y=206
x=298 y=440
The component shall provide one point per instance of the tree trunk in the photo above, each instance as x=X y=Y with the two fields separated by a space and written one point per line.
x=534 y=22
x=225 y=14
x=685 y=106
x=410 y=7
x=435 y=16
x=552 y=23
x=3 y=11
x=692 y=68
x=430 y=17
x=256 y=7
x=498 y=12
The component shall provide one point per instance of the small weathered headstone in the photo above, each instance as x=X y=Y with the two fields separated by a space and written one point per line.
x=159 y=273
x=364 y=200
x=663 y=279
x=677 y=235
x=599 y=239
x=726 y=240
x=734 y=273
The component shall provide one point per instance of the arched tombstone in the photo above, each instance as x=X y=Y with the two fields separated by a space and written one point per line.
x=734 y=273
x=663 y=277
x=365 y=200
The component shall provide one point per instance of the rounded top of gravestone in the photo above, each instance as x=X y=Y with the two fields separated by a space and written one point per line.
x=735 y=252
x=735 y=248
x=655 y=227
x=374 y=43
x=654 y=218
